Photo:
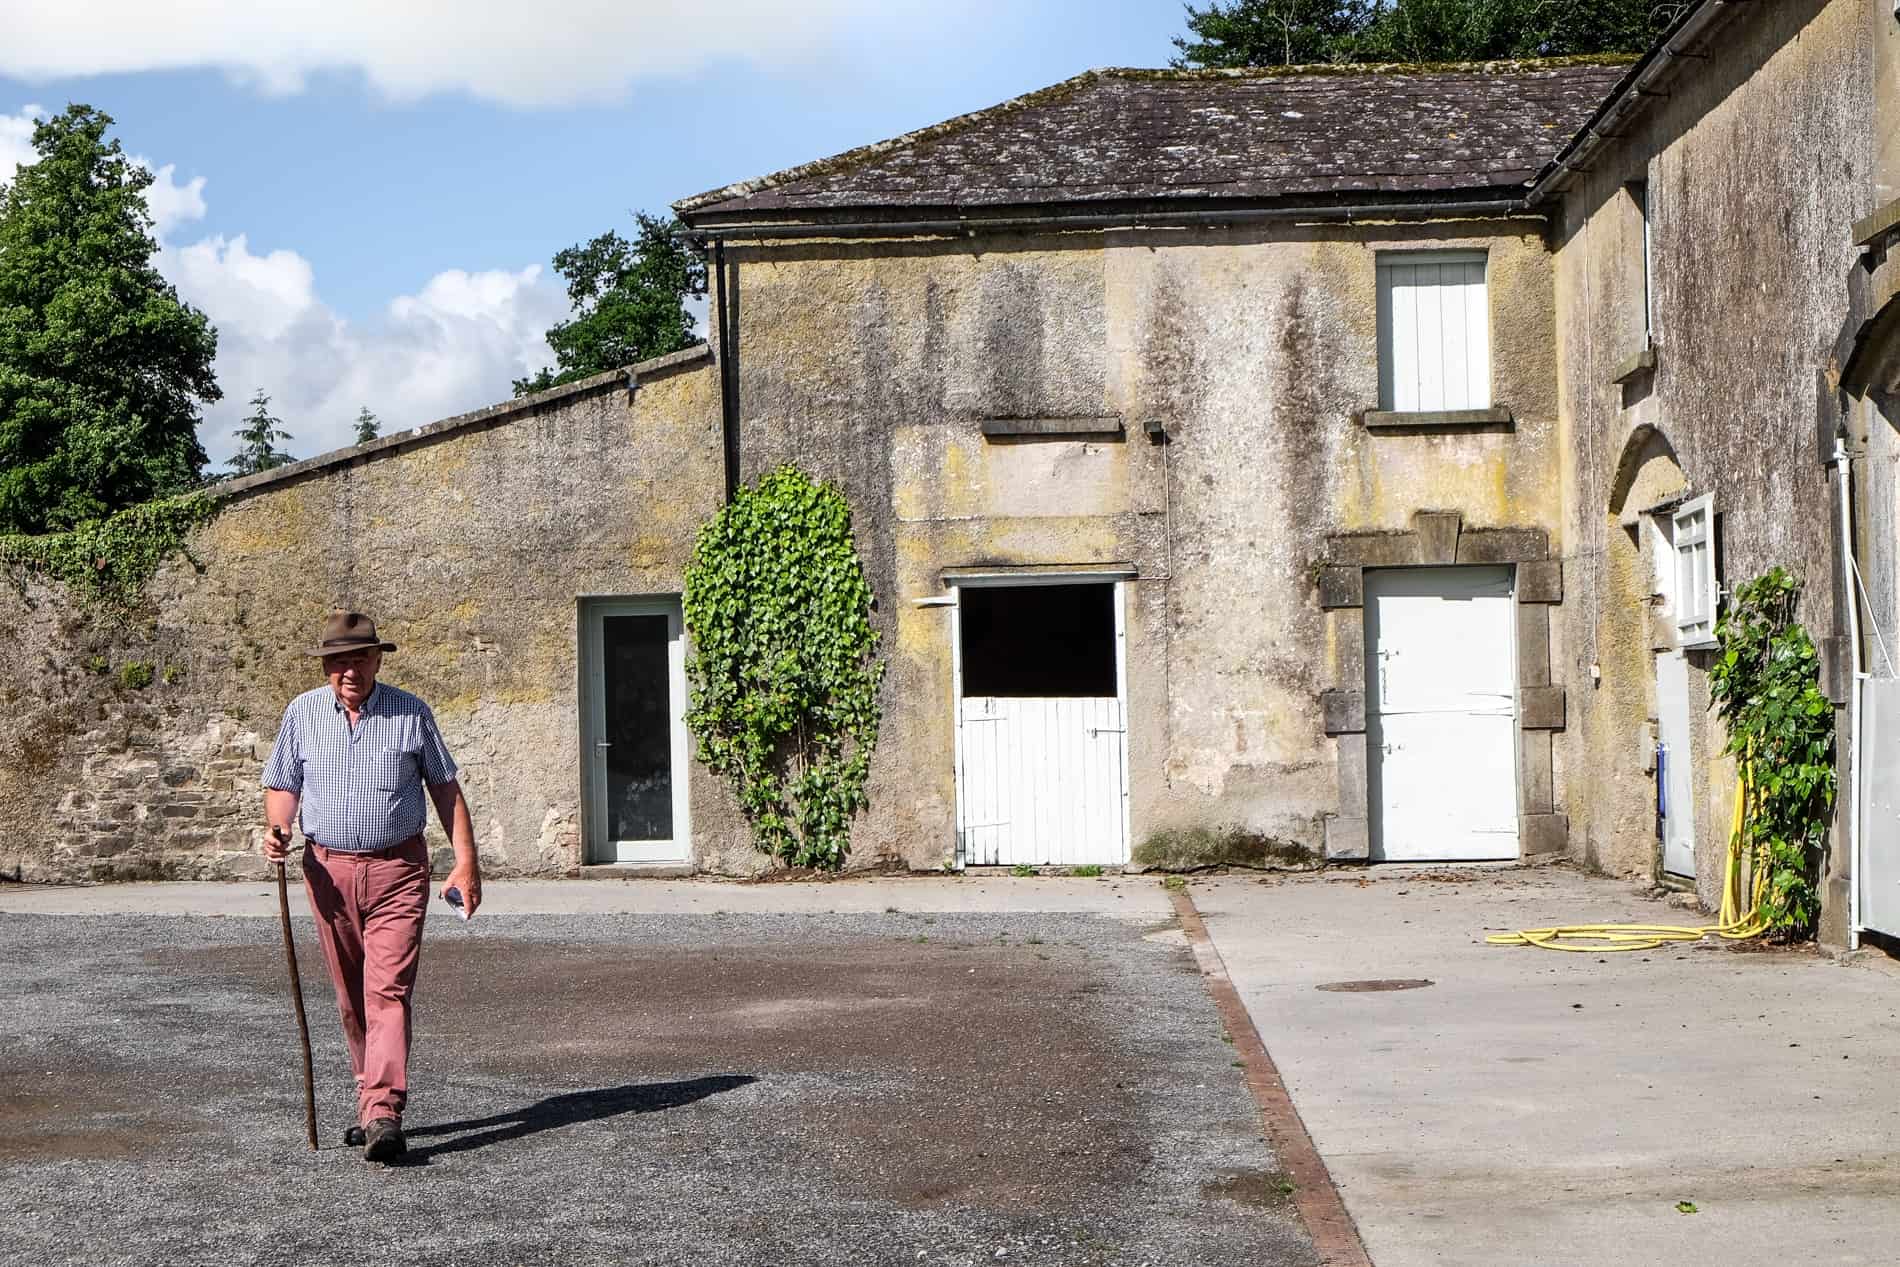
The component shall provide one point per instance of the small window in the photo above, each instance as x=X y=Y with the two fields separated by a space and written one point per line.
x=1639 y=194
x=1039 y=641
x=1434 y=331
x=1694 y=536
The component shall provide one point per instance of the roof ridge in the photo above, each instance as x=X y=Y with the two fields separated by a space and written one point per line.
x=853 y=157
x=1495 y=66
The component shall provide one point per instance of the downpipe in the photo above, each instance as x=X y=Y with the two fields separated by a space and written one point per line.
x=1844 y=470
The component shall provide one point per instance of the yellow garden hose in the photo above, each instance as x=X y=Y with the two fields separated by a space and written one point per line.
x=1739 y=921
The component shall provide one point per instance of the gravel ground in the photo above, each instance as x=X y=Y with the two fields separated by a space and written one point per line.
x=849 y=1089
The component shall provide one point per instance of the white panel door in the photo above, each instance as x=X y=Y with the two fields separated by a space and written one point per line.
x=1880 y=807
x=1042 y=781
x=1441 y=713
x=1678 y=796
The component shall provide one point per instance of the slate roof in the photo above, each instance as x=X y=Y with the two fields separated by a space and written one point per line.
x=1120 y=137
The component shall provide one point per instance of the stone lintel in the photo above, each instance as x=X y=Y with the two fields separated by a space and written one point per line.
x=1084 y=425
x=1437 y=532
x=1503 y=545
x=1373 y=549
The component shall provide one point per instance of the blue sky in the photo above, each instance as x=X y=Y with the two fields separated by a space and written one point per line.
x=367 y=205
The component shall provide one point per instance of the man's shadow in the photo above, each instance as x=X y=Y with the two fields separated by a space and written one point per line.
x=566 y=1110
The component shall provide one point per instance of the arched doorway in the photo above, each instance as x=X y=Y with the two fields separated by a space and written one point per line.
x=1654 y=554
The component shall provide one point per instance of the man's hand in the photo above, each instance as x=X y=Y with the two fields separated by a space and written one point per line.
x=466 y=876
x=276 y=844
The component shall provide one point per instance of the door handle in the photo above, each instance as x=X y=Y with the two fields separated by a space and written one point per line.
x=602 y=743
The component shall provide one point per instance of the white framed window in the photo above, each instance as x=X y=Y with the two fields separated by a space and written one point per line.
x=1639 y=192
x=1693 y=533
x=1434 y=331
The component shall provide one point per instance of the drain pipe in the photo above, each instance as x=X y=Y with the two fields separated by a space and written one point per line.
x=1844 y=468
x=728 y=372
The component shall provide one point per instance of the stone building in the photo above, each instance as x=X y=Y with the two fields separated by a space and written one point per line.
x=1269 y=464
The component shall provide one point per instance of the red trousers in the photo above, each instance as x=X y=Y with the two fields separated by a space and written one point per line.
x=369 y=912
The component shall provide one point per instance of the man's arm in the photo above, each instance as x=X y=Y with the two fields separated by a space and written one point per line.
x=280 y=811
x=451 y=807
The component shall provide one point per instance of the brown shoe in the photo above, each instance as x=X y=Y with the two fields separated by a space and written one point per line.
x=353 y=1137
x=383 y=1141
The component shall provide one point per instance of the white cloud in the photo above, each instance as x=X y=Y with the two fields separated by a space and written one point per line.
x=456 y=344
x=171 y=203
x=16 y=141
x=555 y=52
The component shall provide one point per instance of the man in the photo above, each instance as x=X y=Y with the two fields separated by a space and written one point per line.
x=350 y=763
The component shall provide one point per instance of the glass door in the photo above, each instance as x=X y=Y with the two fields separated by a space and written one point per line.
x=634 y=732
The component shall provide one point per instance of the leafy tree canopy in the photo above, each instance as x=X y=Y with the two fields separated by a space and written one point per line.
x=257 y=440
x=102 y=367
x=1296 y=32
x=368 y=425
x=629 y=302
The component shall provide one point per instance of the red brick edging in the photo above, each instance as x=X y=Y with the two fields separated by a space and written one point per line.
x=1315 y=1197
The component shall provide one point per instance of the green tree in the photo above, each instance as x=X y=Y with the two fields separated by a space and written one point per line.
x=629 y=302
x=102 y=367
x=1478 y=30
x=1284 y=32
x=368 y=426
x=258 y=438
x=1271 y=33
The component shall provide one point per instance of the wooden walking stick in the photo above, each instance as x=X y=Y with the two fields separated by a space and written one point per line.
x=296 y=995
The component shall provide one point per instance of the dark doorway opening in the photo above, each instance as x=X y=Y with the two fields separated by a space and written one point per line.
x=1039 y=641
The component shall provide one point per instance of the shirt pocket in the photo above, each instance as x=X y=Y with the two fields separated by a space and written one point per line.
x=392 y=769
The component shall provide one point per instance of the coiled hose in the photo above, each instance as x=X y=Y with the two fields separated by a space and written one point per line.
x=1739 y=920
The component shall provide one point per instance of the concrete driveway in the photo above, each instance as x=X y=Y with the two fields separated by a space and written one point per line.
x=840 y=1074
x=1537 y=1107
x=954 y=1071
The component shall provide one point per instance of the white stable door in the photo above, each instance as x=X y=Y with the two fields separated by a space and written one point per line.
x=1441 y=713
x=1042 y=779
x=1677 y=795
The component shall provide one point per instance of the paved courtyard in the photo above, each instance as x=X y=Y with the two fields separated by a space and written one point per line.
x=864 y=1087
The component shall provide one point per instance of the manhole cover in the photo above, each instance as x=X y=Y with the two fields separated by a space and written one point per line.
x=1374 y=987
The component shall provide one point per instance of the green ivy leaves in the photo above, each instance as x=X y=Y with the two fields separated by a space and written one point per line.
x=1781 y=727
x=784 y=674
x=105 y=563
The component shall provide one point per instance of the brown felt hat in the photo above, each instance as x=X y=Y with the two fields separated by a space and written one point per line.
x=348 y=631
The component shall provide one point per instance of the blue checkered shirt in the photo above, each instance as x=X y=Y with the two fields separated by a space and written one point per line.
x=358 y=788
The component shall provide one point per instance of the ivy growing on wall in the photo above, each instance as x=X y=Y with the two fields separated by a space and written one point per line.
x=784 y=670
x=105 y=563
x=1781 y=729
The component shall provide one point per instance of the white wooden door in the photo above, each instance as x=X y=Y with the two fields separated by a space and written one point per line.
x=1441 y=713
x=634 y=731
x=1043 y=781
x=1879 y=863
x=1672 y=730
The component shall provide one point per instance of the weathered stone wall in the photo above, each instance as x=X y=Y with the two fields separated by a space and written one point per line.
x=469 y=544
x=1757 y=163
x=876 y=364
